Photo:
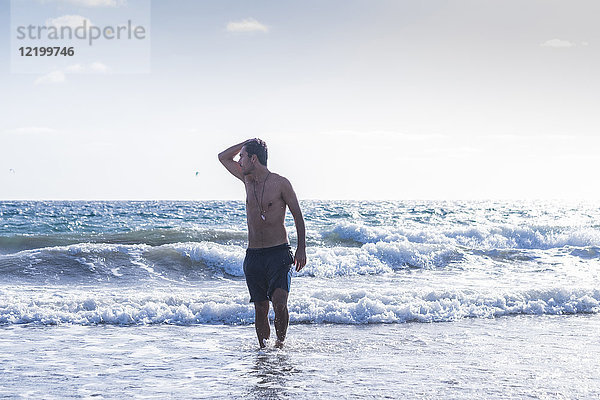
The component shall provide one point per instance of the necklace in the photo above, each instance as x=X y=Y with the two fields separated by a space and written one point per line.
x=262 y=212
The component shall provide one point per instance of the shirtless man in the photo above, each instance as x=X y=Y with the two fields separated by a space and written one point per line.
x=269 y=259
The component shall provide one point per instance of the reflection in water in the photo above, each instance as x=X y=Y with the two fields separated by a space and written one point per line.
x=271 y=373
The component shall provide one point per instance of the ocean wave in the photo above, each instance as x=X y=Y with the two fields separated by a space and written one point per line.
x=192 y=260
x=500 y=236
x=150 y=237
x=378 y=258
x=330 y=306
x=102 y=261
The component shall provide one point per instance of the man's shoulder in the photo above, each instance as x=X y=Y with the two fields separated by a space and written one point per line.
x=281 y=180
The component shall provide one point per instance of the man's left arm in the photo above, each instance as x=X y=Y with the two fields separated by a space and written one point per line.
x=289 y=196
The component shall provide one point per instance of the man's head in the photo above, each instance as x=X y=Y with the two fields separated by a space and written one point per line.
x=256 y=147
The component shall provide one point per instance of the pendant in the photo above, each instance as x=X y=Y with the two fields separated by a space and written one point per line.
x=262 y=216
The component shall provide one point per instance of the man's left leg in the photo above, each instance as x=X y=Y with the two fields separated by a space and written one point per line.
x=282 y=317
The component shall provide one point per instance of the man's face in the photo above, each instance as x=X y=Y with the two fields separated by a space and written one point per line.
x=245 y=162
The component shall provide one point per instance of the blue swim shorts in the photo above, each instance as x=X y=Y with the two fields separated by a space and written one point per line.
x=267 y=269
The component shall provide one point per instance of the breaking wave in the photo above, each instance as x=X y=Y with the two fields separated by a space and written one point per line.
x=326 y=306
x=501 y=236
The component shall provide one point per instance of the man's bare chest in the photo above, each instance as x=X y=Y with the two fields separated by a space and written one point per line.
x=263 y=198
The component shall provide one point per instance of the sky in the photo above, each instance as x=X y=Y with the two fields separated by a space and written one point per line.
x=377 y=99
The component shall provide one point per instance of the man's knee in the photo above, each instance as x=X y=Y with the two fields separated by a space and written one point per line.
x=261 y=307
x=279 y=300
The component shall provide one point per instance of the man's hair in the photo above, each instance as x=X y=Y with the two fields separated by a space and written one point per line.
x=258 y=147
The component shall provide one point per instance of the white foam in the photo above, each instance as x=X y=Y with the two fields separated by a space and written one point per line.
x=229 y=258
x=435 y=306
x=482 y=236
x=375 y=258
x=339 y=261
x=321 y=306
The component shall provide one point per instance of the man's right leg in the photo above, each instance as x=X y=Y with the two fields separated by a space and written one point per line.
x=261 y=321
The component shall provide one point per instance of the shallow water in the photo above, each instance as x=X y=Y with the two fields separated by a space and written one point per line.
x=537 y=357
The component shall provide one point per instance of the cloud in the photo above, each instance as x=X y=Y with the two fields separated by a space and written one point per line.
x=90 y=3
x=94 y=3
x=53 y=77
x=557 y=43
x=246 y=25
x=98 y=68
x=60 y=76
x=75 y=69
x=72 y=21
x=93 y=68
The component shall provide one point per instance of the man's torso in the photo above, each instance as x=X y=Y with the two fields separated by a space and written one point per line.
x=265 y=200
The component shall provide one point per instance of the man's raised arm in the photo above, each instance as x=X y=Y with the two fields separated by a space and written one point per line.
x=226 y=158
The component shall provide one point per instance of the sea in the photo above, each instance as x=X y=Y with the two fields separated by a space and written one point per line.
x=399 y=299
